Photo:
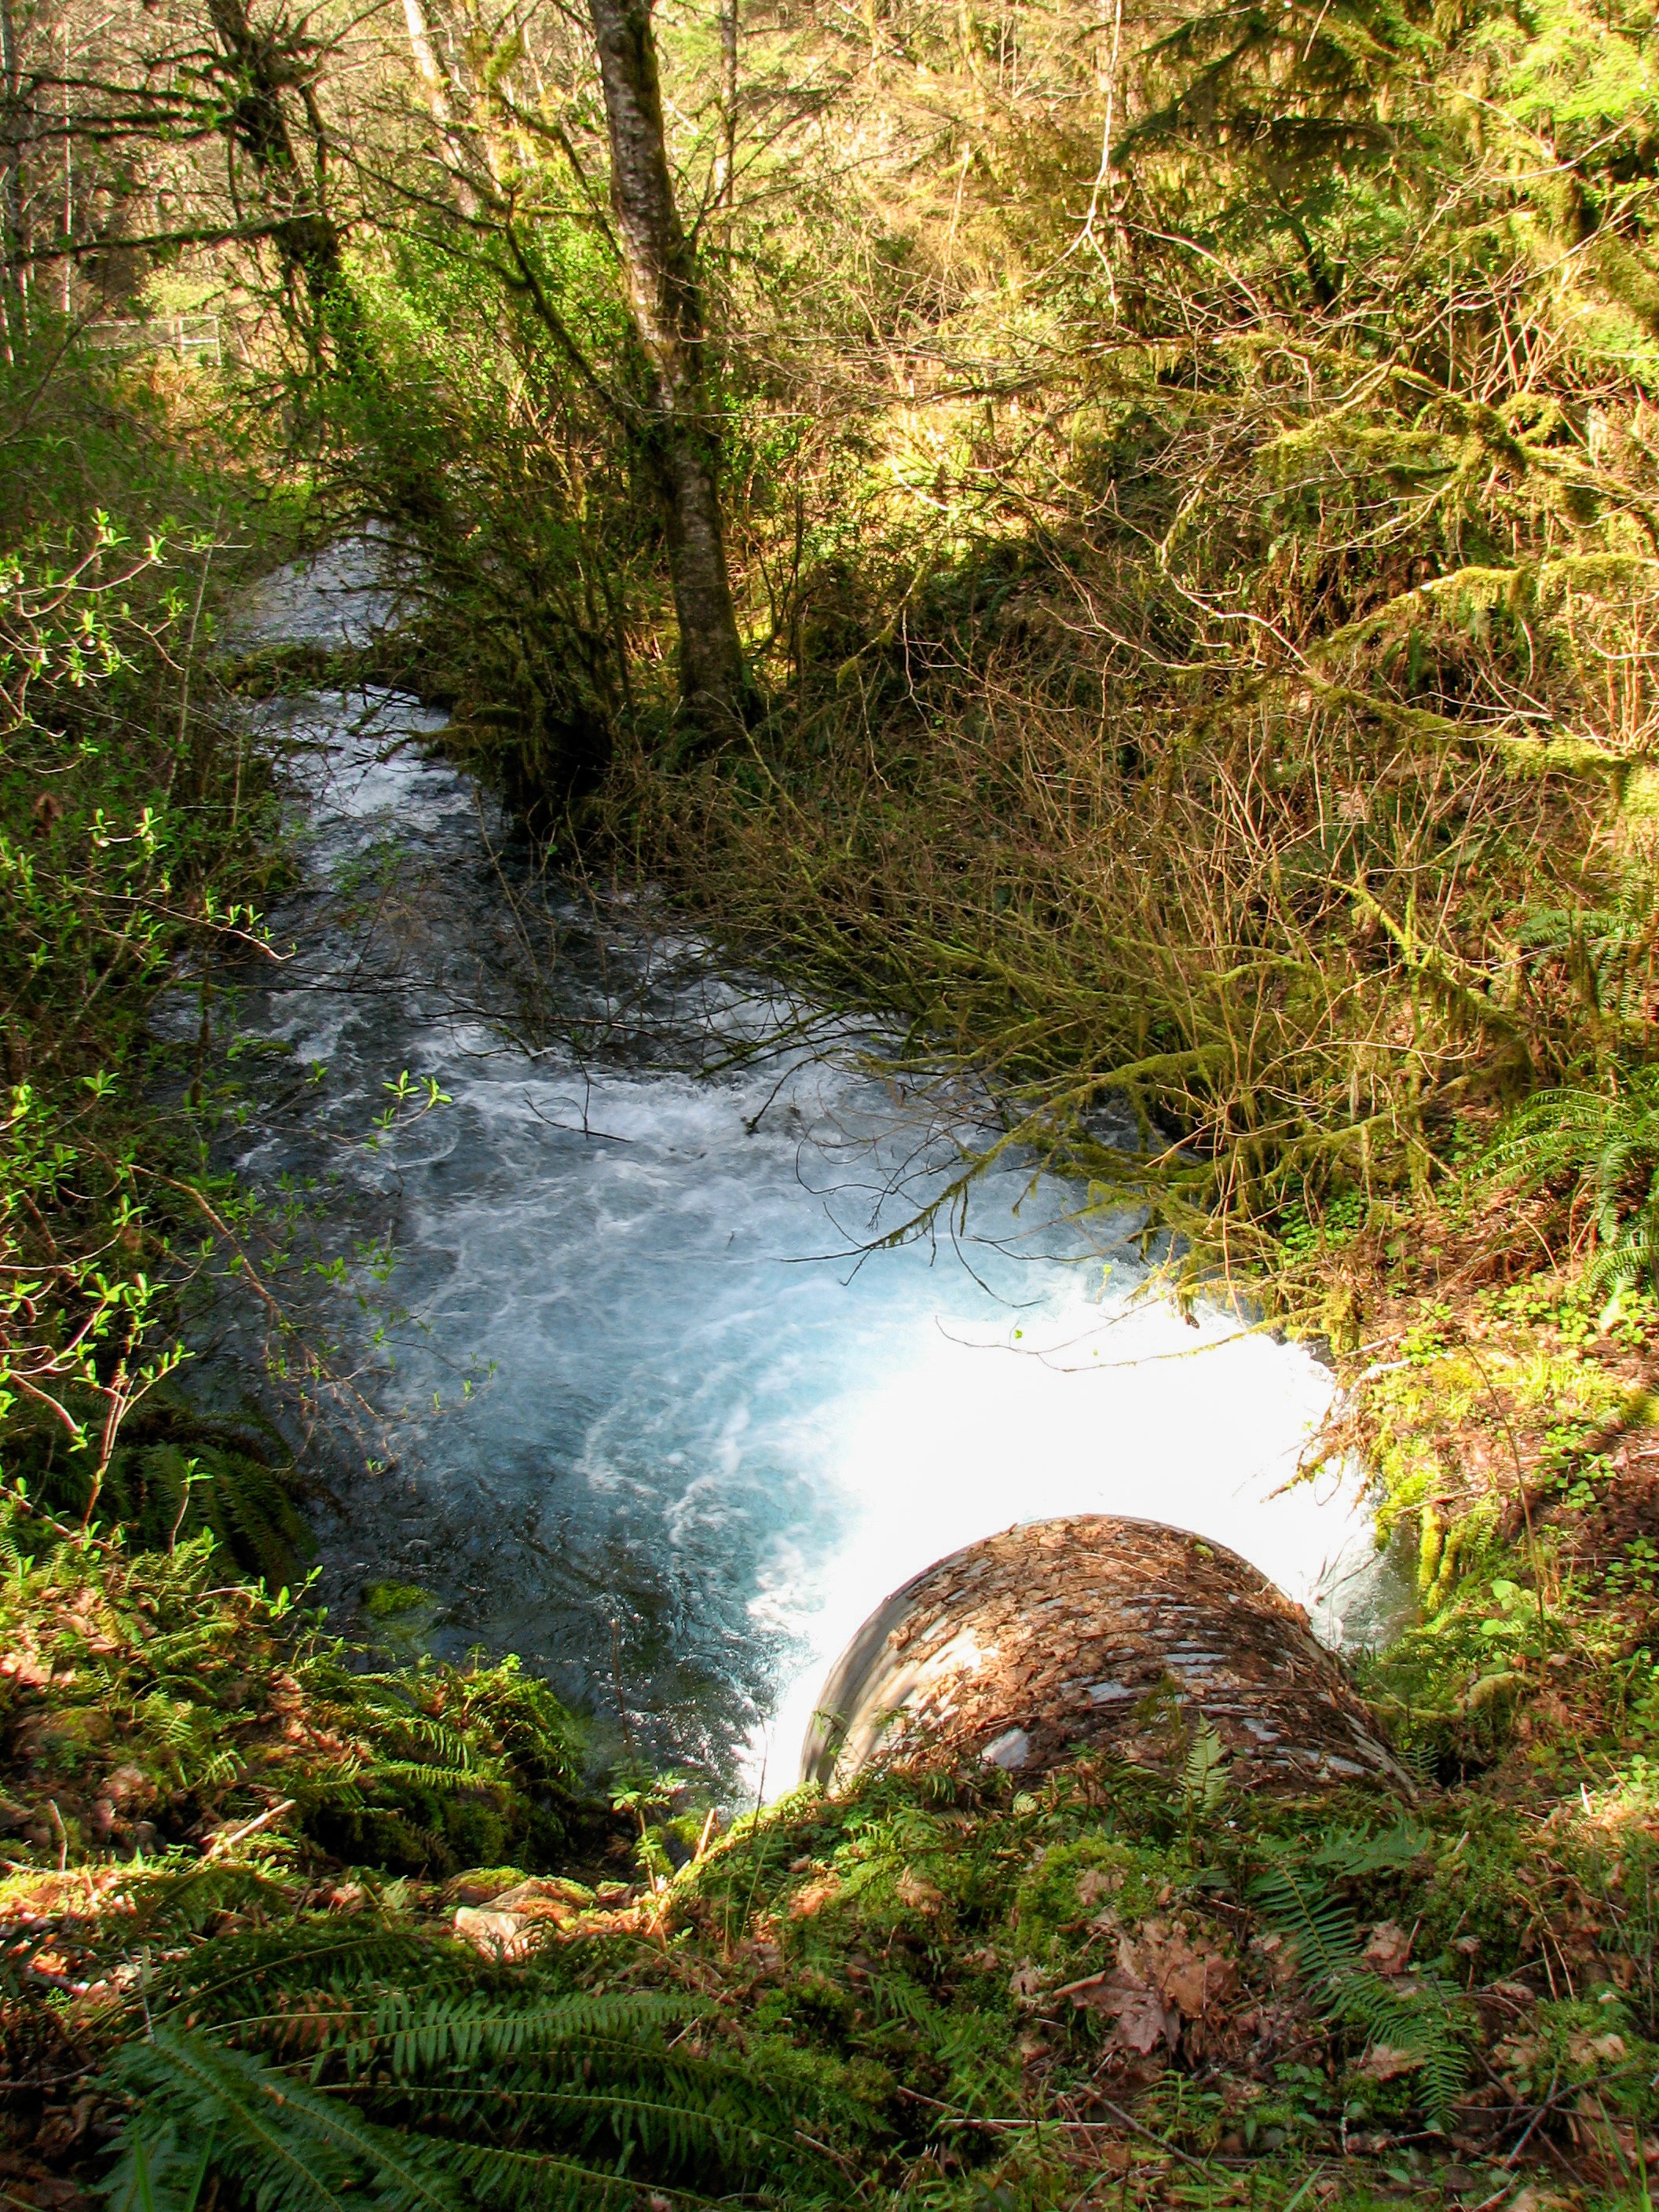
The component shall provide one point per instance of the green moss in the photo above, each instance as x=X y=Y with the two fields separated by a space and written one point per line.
x=386 y=1601
x=1071 y=1888
x=144 y=1698
x=481 y=1882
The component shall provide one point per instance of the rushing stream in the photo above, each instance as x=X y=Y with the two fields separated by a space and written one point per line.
x=644 y=1405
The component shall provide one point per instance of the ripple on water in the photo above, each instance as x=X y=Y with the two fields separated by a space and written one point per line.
x=651 y=1421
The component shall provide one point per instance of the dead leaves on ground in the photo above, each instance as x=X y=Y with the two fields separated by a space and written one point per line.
x=1167 y=1981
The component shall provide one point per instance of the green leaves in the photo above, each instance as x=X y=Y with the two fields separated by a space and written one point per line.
x=1607 y=1144
x=1204 y=1773
x=113 y=849
x=150 y=1696
x=431 y=2097
x=1419 y=2022
x=154 y=2174
x=292 y=2148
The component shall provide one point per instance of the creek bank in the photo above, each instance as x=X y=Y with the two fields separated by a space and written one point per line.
x=964 y=1992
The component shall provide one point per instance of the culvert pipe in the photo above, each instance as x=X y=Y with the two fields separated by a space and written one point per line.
x=1094 y=1633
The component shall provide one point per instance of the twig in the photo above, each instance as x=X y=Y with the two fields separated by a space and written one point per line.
x=226 y=1837
x=15 y=1495
x=1534 y=2121
x=1002 y=2127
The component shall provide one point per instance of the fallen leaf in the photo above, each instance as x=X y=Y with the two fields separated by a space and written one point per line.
x=1383 y=2061
x=1389 y=1949
x=812 y=1896
x=1095 y=1882
x=1584 y=2050
x=1141 y=2017
x=1190 y=1977
x=1129 y=1999
x=1078 y=1991
x=1518 y=2055
x=1025 y=1980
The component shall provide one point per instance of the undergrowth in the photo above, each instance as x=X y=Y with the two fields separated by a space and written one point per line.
x=136 y=833
x=953 y=1991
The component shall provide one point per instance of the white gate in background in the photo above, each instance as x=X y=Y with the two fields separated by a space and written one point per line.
x=192 y=338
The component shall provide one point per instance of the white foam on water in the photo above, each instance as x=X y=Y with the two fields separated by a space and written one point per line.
x=1129 y=1412
x=706 y=1438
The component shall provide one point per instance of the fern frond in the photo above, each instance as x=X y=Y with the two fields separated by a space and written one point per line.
x=308 y=1953
x=537 y=2179
x=1425 y=2021
x=1326 y=1941
x=178 y=1902
x=1609 y=1142
x=573 y=2102
x=1349 y=1853
x=416 y=1773
x=677 y=2126
x=293 y=2148
x=414 y=2034
x=1204 y=1772
x=154 y=2174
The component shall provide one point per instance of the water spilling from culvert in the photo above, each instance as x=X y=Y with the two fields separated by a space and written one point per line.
x=644 y=1414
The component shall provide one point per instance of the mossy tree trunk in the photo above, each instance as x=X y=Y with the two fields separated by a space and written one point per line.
x=13 y=283
x=665 y=300
x=260 y=65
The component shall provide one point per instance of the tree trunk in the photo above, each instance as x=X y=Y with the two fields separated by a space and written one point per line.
x=437 y=93
x=726 y=158
x=256 y=123
x=663 y=299
x=12 y=281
